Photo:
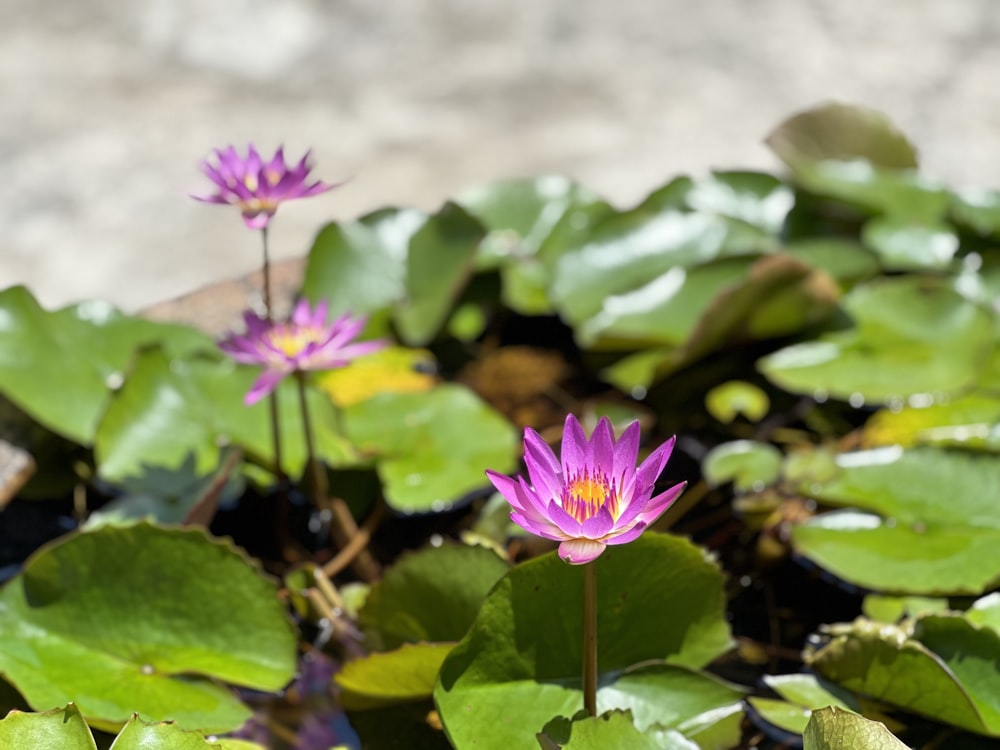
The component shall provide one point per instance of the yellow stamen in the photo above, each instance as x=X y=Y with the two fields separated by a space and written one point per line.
x=586 y=494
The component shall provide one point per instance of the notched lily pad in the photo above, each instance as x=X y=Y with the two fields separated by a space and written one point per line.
x=936 y=528
x=124 y=619
x=749 y=465
x=833 y=729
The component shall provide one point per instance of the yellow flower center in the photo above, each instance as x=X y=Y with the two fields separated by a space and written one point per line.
x=586 y=494
x=250 y=180
x=293 y=341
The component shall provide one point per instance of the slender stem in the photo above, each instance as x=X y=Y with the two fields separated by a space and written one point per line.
x=590 y=637
x=318 y=475
x=343 y=526
x=273 y=396
x=268 y=306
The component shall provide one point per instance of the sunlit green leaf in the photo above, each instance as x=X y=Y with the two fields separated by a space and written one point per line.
x=612 y=729
x=911 y=336
x=439 y=262
x=834 y=729
x=748 y=464
x=62 y=728
x=431 y=448
x=520 y=664
x=61 y=367
x=734 y=397
x=936 y=527
x=124 y=619
x=907 y=246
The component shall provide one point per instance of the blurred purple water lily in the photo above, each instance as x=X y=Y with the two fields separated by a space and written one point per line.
x=594 y=496
x=257 y=187
x=305 y=342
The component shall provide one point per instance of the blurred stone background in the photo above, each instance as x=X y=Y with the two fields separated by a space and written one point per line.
x=109 y=105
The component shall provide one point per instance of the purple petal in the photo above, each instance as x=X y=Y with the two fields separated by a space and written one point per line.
x=629 y=535
x=266 y=383
x=597 y=526
x=519 y=496
x=574 y=447
x=602 y=444
x=626 y=451
x=657 y=505
x=563 y=520
x=301 y=314
x=652 y=467
x=543 y=468
x=538 y=528
x=580 y=551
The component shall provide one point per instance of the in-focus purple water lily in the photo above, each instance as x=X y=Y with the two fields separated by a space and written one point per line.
x=257 y=187
x=305 y=342
x=594 y=496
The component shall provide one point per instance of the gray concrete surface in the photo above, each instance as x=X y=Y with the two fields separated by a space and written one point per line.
x=109 y=105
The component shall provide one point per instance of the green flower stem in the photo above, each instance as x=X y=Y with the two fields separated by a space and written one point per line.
x=343 y=526
x=273 y=396
x=590 y=637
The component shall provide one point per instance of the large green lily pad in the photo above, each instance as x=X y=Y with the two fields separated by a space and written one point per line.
x=62 y=728
x=520 y=664
x=172 y=412
x=61 y=367
x=936 y=529
x=142 y=619
x=912 y=336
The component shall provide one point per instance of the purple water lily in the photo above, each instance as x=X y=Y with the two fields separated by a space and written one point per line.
x=305 y=342
x=594 y=496
x=257 y=187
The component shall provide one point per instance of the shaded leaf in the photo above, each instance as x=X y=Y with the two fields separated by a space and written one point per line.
x=748 y=464
x=841 y=132
x=429 y=595
x=406 y=674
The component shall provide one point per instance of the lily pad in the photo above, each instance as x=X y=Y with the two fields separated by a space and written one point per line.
x=749 y=465
x=841 y=132
x=936 y=531
x=520 y=664
x=911 y=336
x=62 y=728
x=61 y=367
x=941 y=666
x=612 y=729
x=124 y=619
x=360 y=267
x=430 y=448
x=430 y=595
x=908 y=246
x=173 y=411
x=406 y=674
x=756 y=198
x=726 y=401
x=971 y=421
x=438 y=264
x=801 y=694
x=833 y=729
